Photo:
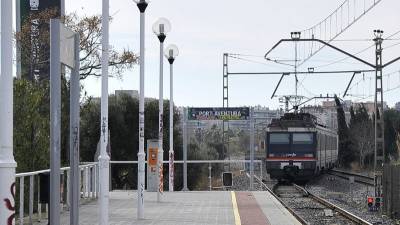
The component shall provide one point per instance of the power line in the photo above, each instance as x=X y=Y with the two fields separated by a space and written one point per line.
x=254 y=61
x=390 y=46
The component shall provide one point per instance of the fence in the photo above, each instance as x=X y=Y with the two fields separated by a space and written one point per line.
x=391 y=190
x=214 y=170
x=89 y=190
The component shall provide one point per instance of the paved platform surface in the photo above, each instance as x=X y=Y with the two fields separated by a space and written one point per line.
x=189 y=208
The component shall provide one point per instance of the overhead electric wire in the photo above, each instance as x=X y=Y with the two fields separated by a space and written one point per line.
x=368 y=96
x=253 y=61
x=390 y=46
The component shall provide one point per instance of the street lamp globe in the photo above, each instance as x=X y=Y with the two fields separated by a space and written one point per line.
x=161 y=27
x=171 y=52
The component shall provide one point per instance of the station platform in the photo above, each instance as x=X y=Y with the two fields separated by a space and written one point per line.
x=190 y=208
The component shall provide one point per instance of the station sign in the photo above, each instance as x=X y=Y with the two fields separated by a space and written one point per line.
x=237 y=113
x=31 y=55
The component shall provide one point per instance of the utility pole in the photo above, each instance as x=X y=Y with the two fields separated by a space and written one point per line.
x=379 y=112
x=225 y=134
x=7 y=162
x=104 y=158
x=295 y=36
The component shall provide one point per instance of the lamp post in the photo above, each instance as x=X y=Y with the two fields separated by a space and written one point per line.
x=142 y=5
x=160 y=28
x=171 y=52
x=104 y=158
x=7 y=162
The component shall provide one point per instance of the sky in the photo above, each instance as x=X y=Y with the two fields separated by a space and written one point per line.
x=204 y=30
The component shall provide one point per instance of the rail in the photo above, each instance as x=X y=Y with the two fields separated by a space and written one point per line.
x=89 y=189
x=291 y=211
x=364 y=179
x=334 y=207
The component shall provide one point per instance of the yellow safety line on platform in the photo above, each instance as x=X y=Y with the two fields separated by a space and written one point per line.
x=235 y=209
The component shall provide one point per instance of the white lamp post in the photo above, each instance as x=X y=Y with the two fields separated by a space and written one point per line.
x=104 y=158
x=142 y=5
x=171 y=52
x=7 y=162
x=160 y=28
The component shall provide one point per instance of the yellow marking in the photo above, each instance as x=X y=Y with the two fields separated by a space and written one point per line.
x=235 y=209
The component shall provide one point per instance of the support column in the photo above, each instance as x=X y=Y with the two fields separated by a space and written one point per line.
x=55 y=121
x=104 y=159
x=7 y=162
x=251 y=149
x=379 y=114
x=74 y=190
x=171 y=152
x=160 y=158
x=185 y=187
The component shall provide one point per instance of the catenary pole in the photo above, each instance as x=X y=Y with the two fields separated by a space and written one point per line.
x=7 y=162
x=104 y=159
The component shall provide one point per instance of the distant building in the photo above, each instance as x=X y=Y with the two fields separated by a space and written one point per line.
x=397 y=106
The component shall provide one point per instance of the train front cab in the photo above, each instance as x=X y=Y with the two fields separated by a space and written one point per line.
x=291 y=155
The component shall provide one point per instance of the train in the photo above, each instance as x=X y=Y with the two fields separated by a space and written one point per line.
x=298 y=148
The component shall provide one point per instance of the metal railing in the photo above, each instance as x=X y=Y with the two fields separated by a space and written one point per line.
x=240 y=166
x=89 y=187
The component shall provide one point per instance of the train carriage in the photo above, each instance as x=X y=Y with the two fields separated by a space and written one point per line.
x=297 y=148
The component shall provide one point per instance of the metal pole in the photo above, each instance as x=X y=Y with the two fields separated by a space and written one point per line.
x=209 y=177
x=55 y=121
x=251 y=148
x=7 y=162
x=171 y=130
x=185 y=187
x=104 y=159
x=74 y=138
x=142 y=5
x=379 y=149
x=160 y=157
x=18 y=29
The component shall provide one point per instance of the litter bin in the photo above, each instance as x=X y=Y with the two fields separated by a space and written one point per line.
x=227 y=180
x=44 y=188
x=45 y=191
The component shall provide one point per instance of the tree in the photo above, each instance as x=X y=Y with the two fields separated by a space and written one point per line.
x=123 y=125
x=346 y=154
x=31 y=126
x=362 y=133
x=392 y=125
x=89 y=28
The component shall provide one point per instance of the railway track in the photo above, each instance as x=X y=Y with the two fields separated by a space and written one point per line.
x=359 y=178
x=310 y=209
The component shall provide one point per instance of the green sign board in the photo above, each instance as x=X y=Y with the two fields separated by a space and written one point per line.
x=241 y=113
x=34 y=52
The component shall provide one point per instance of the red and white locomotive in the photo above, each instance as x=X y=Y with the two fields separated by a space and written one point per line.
x=297 y=148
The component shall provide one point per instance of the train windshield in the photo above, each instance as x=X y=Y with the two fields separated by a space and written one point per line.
x=291 y=143
x=303 y=138
x=278 y=138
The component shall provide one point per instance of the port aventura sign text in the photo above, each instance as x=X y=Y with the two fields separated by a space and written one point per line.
x=219 y=113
